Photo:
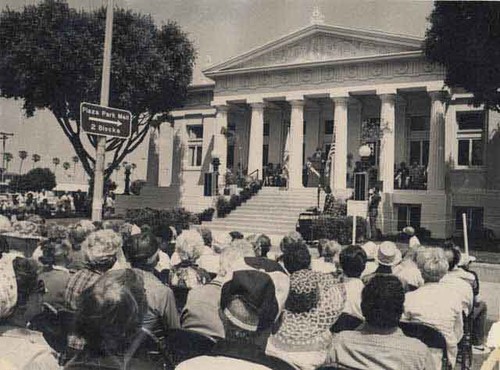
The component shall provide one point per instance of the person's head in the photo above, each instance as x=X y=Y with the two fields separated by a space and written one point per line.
x=370 y=249
x=328 y=189
x=220 y=240
x=250 y=304
x=329 y=249
x=452 y=254
x=100 y=249
x=297 y=258
x=409 y=230
x=353 y=261
x=290 y=240
x=432 y=264
x=189 y=245
x=245 y=246
x=230 y=256
x=141 y=250
x=261 y=244
x=56 y=249
x=206 y=234
x=111 y=311
x=402 y=165
x=236 y=235
x=388 y=255
x=79 y=232
x=382 y=301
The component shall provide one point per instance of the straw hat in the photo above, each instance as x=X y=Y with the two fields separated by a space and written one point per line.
x=388 y=254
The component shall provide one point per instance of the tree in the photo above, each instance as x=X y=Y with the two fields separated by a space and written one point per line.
x=75 y=160
x=464 y=37
x=7 y=157
x=35 y=158
x=51 y=57
x=35 y=180
x=23 y=154
x=56 y=161
x=66 y=166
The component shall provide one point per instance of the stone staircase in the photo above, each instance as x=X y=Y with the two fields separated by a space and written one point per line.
x=272 y=211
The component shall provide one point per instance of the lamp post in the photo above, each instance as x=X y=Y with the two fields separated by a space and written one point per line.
x=364 y=152
x=128 y=170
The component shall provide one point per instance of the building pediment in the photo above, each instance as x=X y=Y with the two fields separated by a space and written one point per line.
x=320 y=44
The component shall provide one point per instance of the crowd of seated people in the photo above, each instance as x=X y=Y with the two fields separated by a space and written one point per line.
x=257 y=307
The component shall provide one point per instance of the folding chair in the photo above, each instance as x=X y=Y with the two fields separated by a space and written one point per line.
x=430 y=336
x=181 y=345
x=346 y=322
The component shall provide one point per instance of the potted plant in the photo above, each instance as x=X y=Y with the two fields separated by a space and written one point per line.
x=234 y=201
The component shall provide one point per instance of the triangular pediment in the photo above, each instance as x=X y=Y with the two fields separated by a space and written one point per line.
x=319 y=43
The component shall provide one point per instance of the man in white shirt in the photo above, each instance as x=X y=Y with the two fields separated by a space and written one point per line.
x=434 y=303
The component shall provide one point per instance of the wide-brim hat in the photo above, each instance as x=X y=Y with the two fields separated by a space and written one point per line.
x=8 y=288
x=253 y=297
x=324 y=295
x=466 y=259
x=408 y=230
x=370 y=249
x=388 y=254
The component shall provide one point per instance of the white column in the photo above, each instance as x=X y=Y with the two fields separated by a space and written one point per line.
x=387 y=125
x=255 y=150
x=437 y=166
x=339 y=164
x=296 y=143
x=220 y=141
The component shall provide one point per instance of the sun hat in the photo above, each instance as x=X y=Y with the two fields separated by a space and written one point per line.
x=255 y=294
x=101 y=245
x=314 y=304
x=409 y=230
x=388 y=254
x=371 y=250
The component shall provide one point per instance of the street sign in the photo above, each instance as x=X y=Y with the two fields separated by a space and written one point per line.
x=105 y=121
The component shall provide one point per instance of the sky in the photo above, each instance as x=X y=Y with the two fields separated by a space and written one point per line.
x=219 y=29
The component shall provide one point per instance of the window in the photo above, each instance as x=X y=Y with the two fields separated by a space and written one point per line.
x=418 y=140
x=304 y=130
x=195 y=155
x=473 y=215
x=266 y=128
x=195 y=145
x=329 y=127
x=470 y=137
x=230 y=156
x=265 y=155
x=409 y=215
x=419 y=152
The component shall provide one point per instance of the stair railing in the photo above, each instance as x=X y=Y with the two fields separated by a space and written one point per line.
x=253 y=172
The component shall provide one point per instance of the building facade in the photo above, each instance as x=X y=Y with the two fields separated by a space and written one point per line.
x=337 y=89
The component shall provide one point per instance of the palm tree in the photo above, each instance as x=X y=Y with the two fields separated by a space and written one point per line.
x=56 y=162
x=35 y=158
x=23 y=154
x=75 y=160
x=7 y=158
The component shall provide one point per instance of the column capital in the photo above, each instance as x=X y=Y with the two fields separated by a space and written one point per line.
x=296 y=103
x=257 y=105
x=388 y=98
x=340 y=100
x=438 y=95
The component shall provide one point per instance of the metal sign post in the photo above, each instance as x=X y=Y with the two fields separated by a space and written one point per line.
x=100 y=155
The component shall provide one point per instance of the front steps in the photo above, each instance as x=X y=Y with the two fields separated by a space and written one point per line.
x=272 y=211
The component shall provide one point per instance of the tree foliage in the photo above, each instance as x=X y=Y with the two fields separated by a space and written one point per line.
x=465 y=38
x=36 y=179
x=51 y=58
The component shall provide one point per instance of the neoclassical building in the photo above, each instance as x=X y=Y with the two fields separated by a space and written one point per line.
x=321 y=87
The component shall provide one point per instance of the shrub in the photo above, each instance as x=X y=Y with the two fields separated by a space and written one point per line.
x=160 y=221
x=222 y=206
x=339 y=228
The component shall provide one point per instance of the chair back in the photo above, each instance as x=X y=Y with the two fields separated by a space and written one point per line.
x=346 y=322
x=430 y=336
x=181 y=345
